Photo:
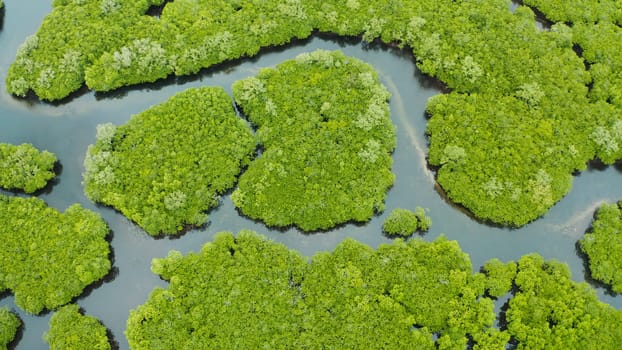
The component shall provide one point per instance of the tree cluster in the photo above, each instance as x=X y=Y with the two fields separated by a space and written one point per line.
x=603 y=246
x=47 y=257
x=25 y=168
x=247 y=292
x=168 y=165
x=70 y=329
x=404 y=222
x=323 y=123
x=9 y=324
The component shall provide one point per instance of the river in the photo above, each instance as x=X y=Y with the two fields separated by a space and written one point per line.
x=67 y=129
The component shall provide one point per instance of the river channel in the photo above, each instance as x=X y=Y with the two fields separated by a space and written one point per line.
x=66 y=129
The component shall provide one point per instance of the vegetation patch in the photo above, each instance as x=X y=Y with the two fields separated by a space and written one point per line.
x=48 y=257
x=70 y=329
x=403 y=222
x=548 y=310
x=522 y=132
x=576 y=11
x=323 y=122
x=9 y=324
x=168 y=165
x=603 y=246
x=23 y=167
x=246 y=292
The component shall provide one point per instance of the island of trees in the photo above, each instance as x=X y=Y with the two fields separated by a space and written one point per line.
x=48 y=257
x=524 y=113
x=525 y=109
x=602 y=246
x=248 y=292
x=23 y=167
x=169 y=164
x=404 y=222
x=323 y=125
x=70 y=329
x=9 y=324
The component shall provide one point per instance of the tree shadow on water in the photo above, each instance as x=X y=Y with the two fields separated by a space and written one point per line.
x=2 y=10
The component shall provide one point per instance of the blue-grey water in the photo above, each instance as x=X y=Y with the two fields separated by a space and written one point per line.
x=68 y=128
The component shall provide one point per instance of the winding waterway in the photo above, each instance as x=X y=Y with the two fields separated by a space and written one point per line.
x=67 y=129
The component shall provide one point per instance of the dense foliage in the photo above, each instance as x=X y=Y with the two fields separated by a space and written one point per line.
x=69 y=329
x=548 y=310
x=168 y=164
x=53 y=62
x=323 y=122
x=524 y=113
x=47 y=258
x=588 y=11
x=603 y=246
x=9 y=324
x=247 y=292
x=23 y=167
x=403 y=222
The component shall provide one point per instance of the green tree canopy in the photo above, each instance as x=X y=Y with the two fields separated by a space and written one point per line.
x=549 y=310
x=403 y=222
x=47 y=257
x=603 y=246
x=69 y=329
x=247 y=292
x=529 y=113
x=323 y=122
x=9 y=324
x=235 y=293
x=25 y=168
x=167 y=166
